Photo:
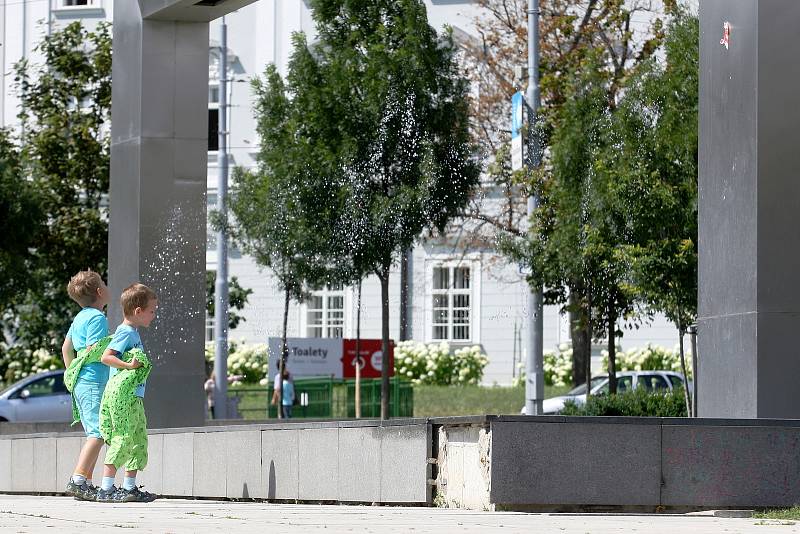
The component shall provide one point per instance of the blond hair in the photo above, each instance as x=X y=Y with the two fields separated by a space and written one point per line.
x=136 y=296
x=82 y=288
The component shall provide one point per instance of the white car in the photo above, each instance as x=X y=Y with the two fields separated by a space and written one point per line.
x=40 y=398
x=626 y=380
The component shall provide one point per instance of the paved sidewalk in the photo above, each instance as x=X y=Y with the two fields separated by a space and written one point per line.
x=23 y=514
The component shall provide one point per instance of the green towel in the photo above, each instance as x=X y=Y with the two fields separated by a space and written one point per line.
x=120 y=393
x=85 y=356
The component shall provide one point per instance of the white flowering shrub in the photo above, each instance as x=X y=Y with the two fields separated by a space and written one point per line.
x=247 y=364
x=17 y=363
x=650 y=358
x=436 y=364
x=557 y=367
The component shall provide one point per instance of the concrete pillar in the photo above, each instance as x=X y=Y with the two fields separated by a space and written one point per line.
x=157 y=229
x=749 y=209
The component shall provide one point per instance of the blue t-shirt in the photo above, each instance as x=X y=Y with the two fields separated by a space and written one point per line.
x=89 y=326
x=288 y=392
x=127 y=338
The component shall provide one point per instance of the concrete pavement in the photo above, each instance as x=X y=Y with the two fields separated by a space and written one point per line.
x=27 y=514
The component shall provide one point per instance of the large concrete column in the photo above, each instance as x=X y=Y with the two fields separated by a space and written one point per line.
x=749 y=195
x=157 y=232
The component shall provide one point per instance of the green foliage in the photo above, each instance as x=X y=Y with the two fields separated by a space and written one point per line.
x=635 y=403
x=614 y=239
x=21 y=223
x=237 y=298
x=436 y=364
x=448 y=401
x=64 y=108
x=657 y=173
x=557 y=368
x=247 y=364
x=17 y=362
x=649 y=358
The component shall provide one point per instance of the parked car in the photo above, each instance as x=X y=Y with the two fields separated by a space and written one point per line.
x=40 y=398
x=626 y=380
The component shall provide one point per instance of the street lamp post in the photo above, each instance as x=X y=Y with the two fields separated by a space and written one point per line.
x=534 y=383
x=221 y=282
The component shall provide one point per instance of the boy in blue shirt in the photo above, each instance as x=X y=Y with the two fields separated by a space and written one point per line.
x=139 y=304
x=89 y=326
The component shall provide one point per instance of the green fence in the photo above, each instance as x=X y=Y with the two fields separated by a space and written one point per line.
x=323 y=398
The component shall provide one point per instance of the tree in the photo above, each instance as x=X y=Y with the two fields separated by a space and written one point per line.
x=64 y=111
x=575 y=35
x=397 y=128
x=21 y=221
x=656 y=176
x=270 y=219
x=237 y=298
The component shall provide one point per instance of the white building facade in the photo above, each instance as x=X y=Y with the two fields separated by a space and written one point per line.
x=456 y=296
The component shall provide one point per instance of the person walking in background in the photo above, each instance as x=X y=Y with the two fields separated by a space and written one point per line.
x=210 y=387
x=287 y=396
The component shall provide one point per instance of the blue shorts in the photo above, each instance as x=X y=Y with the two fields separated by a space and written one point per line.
x=87 y=397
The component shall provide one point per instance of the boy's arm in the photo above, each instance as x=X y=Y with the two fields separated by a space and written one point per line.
x=67 y=351
x=110 y=358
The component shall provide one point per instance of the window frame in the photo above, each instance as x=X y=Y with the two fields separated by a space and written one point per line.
x=346 y=293
x=474 y=292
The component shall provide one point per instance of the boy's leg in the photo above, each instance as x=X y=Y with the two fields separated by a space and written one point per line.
x=88 y=458
x=87 y=398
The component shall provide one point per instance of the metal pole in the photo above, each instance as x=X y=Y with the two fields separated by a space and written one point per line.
x=221 y=283
x=534 y=383
x=693 y=333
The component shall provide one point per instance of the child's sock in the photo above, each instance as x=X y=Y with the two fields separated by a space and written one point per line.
x=78 y=479
x=129 y=483
x=107 y=483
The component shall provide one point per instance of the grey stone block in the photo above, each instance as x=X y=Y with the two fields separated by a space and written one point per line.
x=279 y=458
x=67 y=452
x=152 y=475
x=22 y=476
x=318 y=476
x=5 y=464
x=243 y=473
x=578 y=464
x=732 y=466
x=209 y=465
x=404 y=463
x=178 y=466
x=44 y=465
x=360 y=464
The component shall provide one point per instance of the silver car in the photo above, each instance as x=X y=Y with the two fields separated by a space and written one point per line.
x=40 y=398
x=626 y=380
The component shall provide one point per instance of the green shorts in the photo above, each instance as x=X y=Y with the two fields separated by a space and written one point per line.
x=127 y=444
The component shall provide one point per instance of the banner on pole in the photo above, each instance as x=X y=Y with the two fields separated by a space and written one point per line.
x=517 y=118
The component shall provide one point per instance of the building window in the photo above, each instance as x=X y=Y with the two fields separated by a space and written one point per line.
x=211 y=234
x=209 y=327
x=213 y=118
x=76 y=3
x=325 y=312
x=452 y=303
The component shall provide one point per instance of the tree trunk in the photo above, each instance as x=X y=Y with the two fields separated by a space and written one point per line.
x=581 y=347
x=384 y=276
x=612 y=354
x=358 y=354
x=589 y=337
x=404 y=274
x=683 y=370
x=284 y=355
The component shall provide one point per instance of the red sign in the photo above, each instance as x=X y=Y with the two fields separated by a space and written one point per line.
x=371 y=357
